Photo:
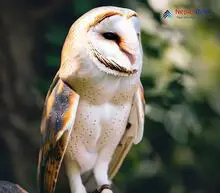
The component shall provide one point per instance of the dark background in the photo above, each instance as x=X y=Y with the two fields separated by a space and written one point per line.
x=180 y=152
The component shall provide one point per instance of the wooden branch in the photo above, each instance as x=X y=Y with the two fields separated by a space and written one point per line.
x=11 y=188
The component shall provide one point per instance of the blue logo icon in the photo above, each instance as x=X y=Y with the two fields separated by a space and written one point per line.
x=166 y=14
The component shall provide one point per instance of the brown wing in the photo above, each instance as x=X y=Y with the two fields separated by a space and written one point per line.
x=56 y=125
x=133 y=134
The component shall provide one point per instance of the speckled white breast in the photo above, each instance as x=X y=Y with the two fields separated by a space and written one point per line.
x=101 y=118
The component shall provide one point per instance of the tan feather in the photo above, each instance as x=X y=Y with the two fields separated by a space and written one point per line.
x=133 y=133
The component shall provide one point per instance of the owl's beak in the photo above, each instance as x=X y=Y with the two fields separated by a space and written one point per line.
x=129 y=54
x=128 y=51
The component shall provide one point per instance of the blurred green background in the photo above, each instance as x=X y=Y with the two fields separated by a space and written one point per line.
x=180 y=152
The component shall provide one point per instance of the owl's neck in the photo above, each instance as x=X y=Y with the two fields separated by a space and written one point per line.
x=105 y=88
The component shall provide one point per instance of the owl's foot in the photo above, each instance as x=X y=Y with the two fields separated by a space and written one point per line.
x=106 y=188
x=81 y=190
x=73 y=173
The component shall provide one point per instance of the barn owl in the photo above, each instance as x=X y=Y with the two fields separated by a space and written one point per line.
x=94 y=109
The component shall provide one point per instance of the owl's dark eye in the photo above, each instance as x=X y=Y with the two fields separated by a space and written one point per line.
x=111 y=36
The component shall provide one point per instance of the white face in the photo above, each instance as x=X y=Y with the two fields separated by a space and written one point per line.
x=115 y=44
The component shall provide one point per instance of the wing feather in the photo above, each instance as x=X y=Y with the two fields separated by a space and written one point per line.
x=133 y=134
x=57 y=122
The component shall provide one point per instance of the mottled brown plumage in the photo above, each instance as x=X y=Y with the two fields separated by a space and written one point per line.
x=59 y=111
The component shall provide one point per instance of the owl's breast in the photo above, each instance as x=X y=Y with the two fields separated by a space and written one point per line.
x=97 y=127
x=97 y=122
x=101 y=119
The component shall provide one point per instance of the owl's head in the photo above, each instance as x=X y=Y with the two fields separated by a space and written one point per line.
x=107 y=38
